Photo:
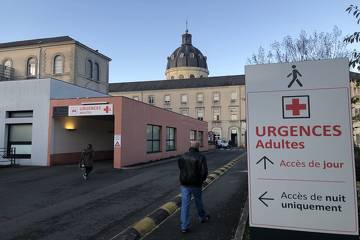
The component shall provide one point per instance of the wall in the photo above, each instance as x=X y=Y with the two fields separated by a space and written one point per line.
x=186 y=72
x=75 y=57
x=82 y=56
x=135 y=118
x=45 y=55
x=27 y=95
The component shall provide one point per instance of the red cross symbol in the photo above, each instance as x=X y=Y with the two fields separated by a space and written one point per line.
x=295 y=107
x=107 y=109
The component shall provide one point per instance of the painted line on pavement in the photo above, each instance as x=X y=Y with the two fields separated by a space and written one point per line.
x=148 y=224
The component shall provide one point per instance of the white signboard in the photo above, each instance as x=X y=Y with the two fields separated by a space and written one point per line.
x=91 y=110
x=117 y=141
x=300 y=147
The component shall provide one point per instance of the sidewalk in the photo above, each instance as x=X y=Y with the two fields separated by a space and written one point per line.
x=223 y=200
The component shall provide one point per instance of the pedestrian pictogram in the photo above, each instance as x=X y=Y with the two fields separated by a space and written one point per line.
x=296 y=106
x=294 y=73
x=262 y=198
x=265 y=159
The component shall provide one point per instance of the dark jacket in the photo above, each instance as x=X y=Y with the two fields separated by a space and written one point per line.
x=87 y=157
x=193 y=168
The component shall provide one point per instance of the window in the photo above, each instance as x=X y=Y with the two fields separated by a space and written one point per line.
x=172 y=77
x=217 y=133
x=184 y=99
x=233 y=96
x=200 y=113
x=201 y=76
x=233 y=114
x=167 y=99
x=200 y=98
x=216 y=114
x=357 y=111
x=97 y=72
x=7 y=69
x=185 y=112
x=58 y=64
x=172 y=57
x=20 y=138
x=357 y=139
x=153 y=138
x=170 y=139
x=20 y=114
x=192 y=76
x=151 y=99
x=216 y=97
x=136 y=98
x=181 y=76
x=192 y=135
x=200 y=138
x=181 y=55
x=31 y=67
x=89 y=69
x=192 y=55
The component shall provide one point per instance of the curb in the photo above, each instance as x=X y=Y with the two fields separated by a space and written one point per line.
x=239 y=234
x=146 y=225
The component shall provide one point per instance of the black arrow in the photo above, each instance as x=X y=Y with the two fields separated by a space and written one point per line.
x=262 y=198
x=264 y=158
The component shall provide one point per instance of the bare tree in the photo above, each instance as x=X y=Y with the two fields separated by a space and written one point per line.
x=304 y=47
x=355 y=37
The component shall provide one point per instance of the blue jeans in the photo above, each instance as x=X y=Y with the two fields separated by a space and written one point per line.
x=186 y=193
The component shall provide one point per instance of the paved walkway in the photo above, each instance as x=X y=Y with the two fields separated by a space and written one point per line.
x=55 y=203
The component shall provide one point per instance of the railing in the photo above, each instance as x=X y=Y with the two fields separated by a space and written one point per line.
x=6 y=73
x=8 y=155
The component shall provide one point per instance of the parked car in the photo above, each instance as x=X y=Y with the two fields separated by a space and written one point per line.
x=222 y=144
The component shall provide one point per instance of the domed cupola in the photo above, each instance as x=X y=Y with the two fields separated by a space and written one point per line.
x=186 y=61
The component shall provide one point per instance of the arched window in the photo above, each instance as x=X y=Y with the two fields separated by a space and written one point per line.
x=58 y=64
x=172 y=77
x=89 y=69
x=192 y=76
x=31 y=67
x=181 y=76
x=201 y=76
x=217 y=133
x=97 y=72
x=7 y=68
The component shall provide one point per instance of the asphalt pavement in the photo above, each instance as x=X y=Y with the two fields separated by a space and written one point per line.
x=223 y=200
x=56 y=203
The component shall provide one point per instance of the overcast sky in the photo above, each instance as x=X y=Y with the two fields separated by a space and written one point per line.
x=139 y=34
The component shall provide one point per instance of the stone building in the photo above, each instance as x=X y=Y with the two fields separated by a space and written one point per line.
x=61 y=58
x=220 y=101
x=188 y=90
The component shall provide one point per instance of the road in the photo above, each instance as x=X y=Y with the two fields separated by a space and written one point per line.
x=55 y=203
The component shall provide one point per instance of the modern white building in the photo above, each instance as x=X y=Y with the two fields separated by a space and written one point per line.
x=24 y=115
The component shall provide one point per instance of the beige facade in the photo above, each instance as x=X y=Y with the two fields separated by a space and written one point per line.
x=186 y=72
x=222 y=107
x=63 y=58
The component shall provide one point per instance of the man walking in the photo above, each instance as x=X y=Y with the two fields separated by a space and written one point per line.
x=193 y=172
x=87 y=160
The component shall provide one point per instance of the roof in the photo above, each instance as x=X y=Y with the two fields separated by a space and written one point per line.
x=233 y=80
x=47 y=41
x=186 y=55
